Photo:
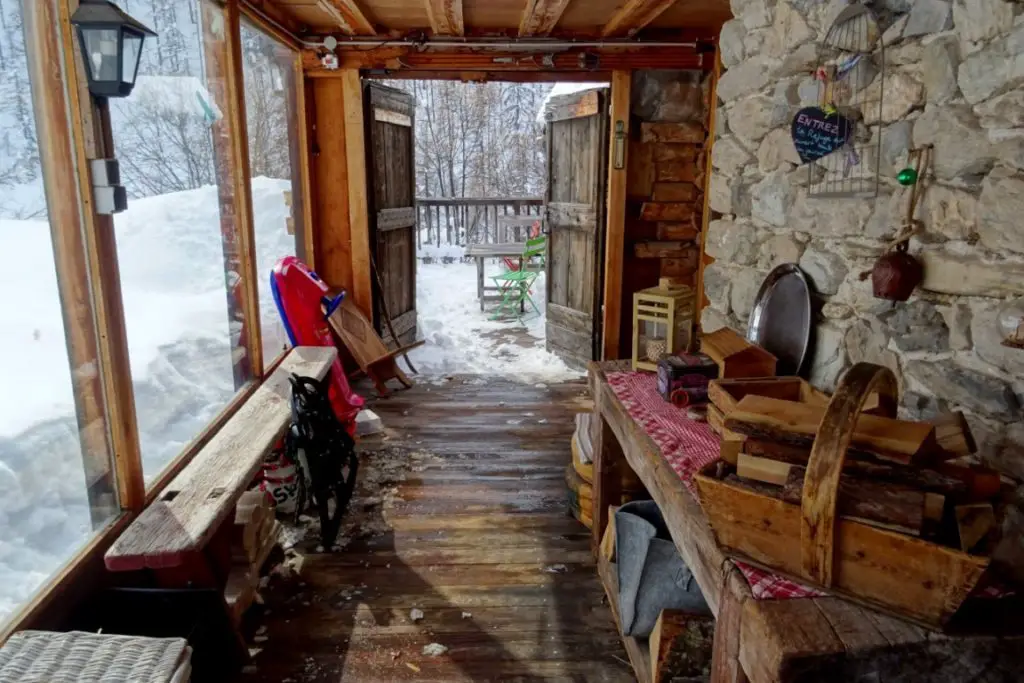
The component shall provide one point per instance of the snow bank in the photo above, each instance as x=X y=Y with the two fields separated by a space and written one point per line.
x=173 y=285
x=564 y=89
x=463 y=340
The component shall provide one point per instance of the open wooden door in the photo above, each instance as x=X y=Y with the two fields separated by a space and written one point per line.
x=391 y=196
x=577 y=136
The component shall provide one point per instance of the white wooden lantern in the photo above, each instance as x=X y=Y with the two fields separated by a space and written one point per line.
x=662 y=321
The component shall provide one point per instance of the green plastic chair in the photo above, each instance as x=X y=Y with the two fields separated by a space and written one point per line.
x=515 y=284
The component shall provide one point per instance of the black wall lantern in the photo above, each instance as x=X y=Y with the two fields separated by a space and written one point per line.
x=111 y=44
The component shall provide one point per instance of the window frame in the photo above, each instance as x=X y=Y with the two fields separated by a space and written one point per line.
x=90 y=263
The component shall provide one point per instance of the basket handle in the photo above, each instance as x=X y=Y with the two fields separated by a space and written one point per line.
x=821 y=482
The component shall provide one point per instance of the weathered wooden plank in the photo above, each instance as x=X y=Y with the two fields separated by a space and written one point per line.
x=668 y=211
x=184 y=518
x=675 y=192
x=615 y=220
x=677 y=172
x=541 y=16
x=445 y=17
x=687 y=132
x=393 y=117
x=573 y=106
x=634 y=15
x=673 y=250
x=390 y=219
x=348 y=17
x=573 y=216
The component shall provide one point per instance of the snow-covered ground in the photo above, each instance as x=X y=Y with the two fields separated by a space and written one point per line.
x=462 y=339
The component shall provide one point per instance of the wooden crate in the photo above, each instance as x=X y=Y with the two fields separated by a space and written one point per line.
x=911 y=577
x=726 y=393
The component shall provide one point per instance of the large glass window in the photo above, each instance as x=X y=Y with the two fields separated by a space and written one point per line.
x=56 y=478
x=179 y=242
x=270 y=105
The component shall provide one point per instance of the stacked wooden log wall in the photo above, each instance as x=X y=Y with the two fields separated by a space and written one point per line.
x=665 y=187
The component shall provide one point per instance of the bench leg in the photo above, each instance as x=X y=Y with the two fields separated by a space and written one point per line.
x=480 y=281
x=608 y=463
x=725 y=663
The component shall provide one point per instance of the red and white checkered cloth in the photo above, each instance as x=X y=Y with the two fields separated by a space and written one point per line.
x=689 y=446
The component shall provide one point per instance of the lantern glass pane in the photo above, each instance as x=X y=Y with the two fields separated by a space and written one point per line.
x=101 y=53
x=130 y=56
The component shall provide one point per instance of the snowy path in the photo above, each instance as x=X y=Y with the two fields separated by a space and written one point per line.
x=463 y=340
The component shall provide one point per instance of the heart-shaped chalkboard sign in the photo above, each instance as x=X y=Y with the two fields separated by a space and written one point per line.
x=817 y=133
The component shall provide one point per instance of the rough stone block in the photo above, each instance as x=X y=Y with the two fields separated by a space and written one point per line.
x=978 y=20
x=987 y=339
x=929 y=16
x=962 y=148
x=729 y=156
x=939 y=63
x=745 y=283
x=778 y=250
x=958 y=319
x=730 y=43
x=993 y=70
x=744 y=79
x=897 y=139
x=950 y=212
x=826 y=270
x=966 y=387
x=753 y=117
x=1001 y=211
x=753 y=13
x=788 y=31
x=902 y=93
x=917 y=326
x=732 y=242
x=717 y=286
x=771 y=199
x=777 y=150
x=1002 y=111
x=970 y=275
x=829 y=359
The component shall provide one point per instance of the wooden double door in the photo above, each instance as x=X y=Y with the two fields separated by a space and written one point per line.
x=390 y=116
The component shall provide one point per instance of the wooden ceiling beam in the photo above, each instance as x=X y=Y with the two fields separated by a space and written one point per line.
x=396 y=58
x=541 y=16
x=348 y=16
x=446 y=17
x=633 y=16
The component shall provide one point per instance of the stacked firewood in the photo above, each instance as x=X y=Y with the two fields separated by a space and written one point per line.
x=254 y=535
x=914 y=478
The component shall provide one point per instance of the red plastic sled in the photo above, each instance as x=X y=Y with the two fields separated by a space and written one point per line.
x=301 y=296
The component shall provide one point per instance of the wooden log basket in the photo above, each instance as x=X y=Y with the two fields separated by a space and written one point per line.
x=909 y=576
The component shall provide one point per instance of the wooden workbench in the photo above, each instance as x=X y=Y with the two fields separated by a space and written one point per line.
x=763 y=641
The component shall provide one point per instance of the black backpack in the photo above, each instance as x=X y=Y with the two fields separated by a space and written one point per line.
x=324 y=453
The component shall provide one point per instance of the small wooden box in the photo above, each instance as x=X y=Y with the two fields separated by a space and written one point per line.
x=736 y=357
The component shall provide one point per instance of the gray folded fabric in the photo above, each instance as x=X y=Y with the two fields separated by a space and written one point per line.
x=652 y=575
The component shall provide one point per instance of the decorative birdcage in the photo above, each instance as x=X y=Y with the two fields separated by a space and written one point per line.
x=662 y=321
x=851 y=80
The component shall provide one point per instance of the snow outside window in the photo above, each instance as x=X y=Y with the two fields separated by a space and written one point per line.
x=56 y=475
x=268 y=69
x=178 y=243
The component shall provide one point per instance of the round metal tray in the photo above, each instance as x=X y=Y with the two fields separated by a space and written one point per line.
x=780 y=321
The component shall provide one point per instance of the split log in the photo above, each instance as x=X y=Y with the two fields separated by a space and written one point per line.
x=679 y=250
x=689 y=133
x=974 y=522
x=677 y=152
x=680 y=646
x=927 y=480
x=953 y=435
x=797 y=424
x=885 y=505
x=675 y=192
x=981 y=482
x=675 y=212
x=763 y=469
x=683 y=232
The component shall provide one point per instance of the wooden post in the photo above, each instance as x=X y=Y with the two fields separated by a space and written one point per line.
x=608 y=463
x=230 y=150
x=91 y=137
x=358 y=206
x=705 y=260
x=57 y=153
x=299 y=138
x=616 y=217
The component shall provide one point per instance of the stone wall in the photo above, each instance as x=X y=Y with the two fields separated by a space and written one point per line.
x=955 y=79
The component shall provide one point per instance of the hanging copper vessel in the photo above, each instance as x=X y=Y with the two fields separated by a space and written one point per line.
x=895 y=274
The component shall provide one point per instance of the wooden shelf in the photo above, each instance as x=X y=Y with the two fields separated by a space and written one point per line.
x=637 y=648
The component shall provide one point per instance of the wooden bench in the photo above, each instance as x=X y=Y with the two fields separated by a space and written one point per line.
x=173 y=535
x=769 y=641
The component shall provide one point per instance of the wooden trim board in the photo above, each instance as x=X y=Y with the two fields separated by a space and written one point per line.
x=615 y=230
x=388 y=116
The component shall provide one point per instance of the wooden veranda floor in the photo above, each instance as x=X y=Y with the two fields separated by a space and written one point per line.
x=463 y=516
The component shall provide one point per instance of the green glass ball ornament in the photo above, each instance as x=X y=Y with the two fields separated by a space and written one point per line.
x=907 y=177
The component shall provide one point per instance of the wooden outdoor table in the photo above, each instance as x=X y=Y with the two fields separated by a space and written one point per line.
x=486 y=251
x=767 y=641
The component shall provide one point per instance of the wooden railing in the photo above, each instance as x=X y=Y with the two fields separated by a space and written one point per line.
x=458 y=221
